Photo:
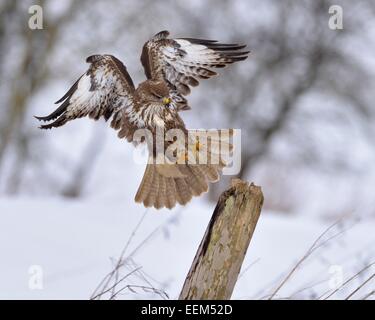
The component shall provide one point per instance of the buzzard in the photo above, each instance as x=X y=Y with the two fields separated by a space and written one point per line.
x=172 y=67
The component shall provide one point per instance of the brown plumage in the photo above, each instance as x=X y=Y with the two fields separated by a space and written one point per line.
x=172 y=67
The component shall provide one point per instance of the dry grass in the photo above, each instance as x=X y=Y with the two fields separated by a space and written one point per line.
x=118 y=282
x=125 y=269
x=320 y=242
x=113 y=284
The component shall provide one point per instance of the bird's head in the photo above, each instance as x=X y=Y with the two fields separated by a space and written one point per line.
x=158 y=92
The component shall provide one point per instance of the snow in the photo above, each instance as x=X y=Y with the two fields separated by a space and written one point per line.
x=319 y=168
x=73 y=241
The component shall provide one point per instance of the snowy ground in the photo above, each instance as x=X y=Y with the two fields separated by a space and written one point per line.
x=73 y=242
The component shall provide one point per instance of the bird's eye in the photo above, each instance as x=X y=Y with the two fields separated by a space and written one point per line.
x=156 y=96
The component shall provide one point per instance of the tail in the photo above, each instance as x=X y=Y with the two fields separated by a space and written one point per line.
x=161 y=188
x=164 y=185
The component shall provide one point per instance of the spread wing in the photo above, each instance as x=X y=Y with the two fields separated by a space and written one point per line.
x=104 y=90
x=182 y=62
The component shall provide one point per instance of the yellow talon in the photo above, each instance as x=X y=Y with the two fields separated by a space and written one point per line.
x=197 y=146
x=183 y=158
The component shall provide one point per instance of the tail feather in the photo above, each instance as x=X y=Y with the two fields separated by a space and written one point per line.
x=159 y=191
x=168 y=184
x=161 y=196
x=199 y=179
x=211 y=172
x=183 y=193
x=192 y=181
x=152 y=195
x=171 y=193
x=145 y=187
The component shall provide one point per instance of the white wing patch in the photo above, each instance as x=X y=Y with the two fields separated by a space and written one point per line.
x=182 y=62
x=102 y=91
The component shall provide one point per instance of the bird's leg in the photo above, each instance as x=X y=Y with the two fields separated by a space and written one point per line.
x=184 y=157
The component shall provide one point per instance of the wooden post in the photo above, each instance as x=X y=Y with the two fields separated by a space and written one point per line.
x=218 y=260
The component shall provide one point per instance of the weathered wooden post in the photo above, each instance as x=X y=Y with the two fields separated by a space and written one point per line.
x=219 y=258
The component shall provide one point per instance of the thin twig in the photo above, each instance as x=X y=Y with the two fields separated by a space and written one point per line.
x=368 y=295
x=103 y=284
x=311 y=286
x=316 y=245
x=347 y=281
x=113 y=275
x=143 y=275
x=162 y=293
x=248 y=267
x=360 y=287
x=116 y=283
x=126 y=247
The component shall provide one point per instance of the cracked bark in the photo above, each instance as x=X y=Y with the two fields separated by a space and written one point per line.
x=219 y=258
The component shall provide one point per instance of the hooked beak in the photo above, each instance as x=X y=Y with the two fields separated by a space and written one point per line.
x=166 y=101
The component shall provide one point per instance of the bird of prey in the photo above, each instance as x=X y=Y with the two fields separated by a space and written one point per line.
x=172 y=67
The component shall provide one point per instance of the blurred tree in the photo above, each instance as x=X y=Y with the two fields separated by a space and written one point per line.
x=28 y=74
x=296 y=57
x=302 y=98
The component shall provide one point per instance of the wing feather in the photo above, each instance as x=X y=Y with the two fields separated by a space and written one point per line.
x=182 y=62
x=104 y=90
